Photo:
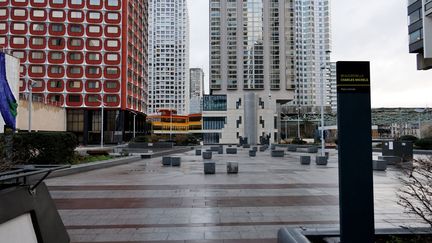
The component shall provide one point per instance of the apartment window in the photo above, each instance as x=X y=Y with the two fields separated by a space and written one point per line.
x=95 y=2
x=38 y=13
x=74 y=98
x=94 y=56
x=74 y=84
x=75 y=70
x=113 y=16
x=37 y=41
x=56 y=41
x=57 y=14
x=93 y=84
x=76 y=14
x=19 y=12
x=75 y=120
x=58 y=1
x=37 y=55
x=57 y=27
x=112 y=71
x=415 y=16
x=55 y=84
x=56 y=55
x=75 y=56
x=56 y=69
x=416 y=36
x=94 y=29
x=18 y=26
x=38 y=27
x=93 y=98
x=18 y=40
x=112 y=43
x=76 y=2
x=36 y=69
x=2 y=26
x=2 y=40
x=111 y=84
x=76 y=42
x=93 y=70
x=76 y=28
x=2 y=12
x=94 y=42
x=112 y=57
x=111 y=99
x=112 y=29
x=113 y=3
x=37 y=83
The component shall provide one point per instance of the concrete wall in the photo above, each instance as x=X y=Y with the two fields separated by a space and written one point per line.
x=44 y=117
x=12 y=75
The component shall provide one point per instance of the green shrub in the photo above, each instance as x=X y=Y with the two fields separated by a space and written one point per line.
x=44 y=147
x=140 y=139
x=424 y=143
x=408 y=138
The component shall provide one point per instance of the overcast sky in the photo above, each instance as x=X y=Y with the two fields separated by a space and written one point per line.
x=367 y=30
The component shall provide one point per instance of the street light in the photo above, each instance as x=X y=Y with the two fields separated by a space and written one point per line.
x=102 y=120
x=298 y=122
x=322 y=110
x=31 y=84
x=134 y=122
x=271 y=118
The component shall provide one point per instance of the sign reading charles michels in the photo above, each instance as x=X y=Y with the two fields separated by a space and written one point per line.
x=353 y=77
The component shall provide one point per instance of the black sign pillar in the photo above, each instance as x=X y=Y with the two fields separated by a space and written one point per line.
x=355 y=153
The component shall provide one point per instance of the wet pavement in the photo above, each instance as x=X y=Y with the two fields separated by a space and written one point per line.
x=146 y=202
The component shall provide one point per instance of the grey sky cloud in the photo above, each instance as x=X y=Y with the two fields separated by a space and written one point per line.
x=368 y=30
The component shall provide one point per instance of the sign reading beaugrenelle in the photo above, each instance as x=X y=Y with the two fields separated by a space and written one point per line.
x=353 y=77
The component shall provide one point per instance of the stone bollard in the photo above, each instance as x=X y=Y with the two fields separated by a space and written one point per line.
x=246 y=145
x=231 y=150
x=175 y=161
x=262 y=149
x=252 y=153
x=198 y=152
x=232 y=167
x=321 y=160
x=305 y=160
x=255 y=149
x=292 y=148
x=209 y=168
x=166 y=161
x=220 y=151
x=207 y=155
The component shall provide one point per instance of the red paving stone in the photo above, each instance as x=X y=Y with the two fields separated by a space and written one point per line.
x=194 y=202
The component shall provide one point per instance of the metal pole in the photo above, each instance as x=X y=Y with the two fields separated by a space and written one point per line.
x=286 y=129
x=30 y=99
x=322 y=113
x=171 y=125
x=134 y=125
x=298 y=122
x=271 y=119
x=102 y=124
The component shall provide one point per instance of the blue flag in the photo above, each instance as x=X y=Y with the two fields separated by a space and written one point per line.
x=8 y=103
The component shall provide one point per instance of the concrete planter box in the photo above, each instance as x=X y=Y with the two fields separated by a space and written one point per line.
x=272 y=147
x=231 y=150
x=232 y=167
x=246 y=145
x=312 y=150
x=175 y=161
x=146 y=156
x=166 y=161
x=391 y=160
x=262 y=148
x=198 y=152
x=214 y=148
x=277 y=153
x=379 y=165
x=207 y=155
x=252 y=153
x=305 y=160
x=255 y=149
x=209 y=168
x=292 y=148
x=220 y=150
x=321 y=160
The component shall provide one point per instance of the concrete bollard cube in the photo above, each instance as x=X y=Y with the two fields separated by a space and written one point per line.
x=391 y=160
x=312 y=150
x=198 y=152
x=166 y=161
x=262 y=148
x=380 y=165
x=220 y=150
x=321 y=160
x=292 y=148
x=232 y=167
x=255 y=149
x=209 y=168
x=175 y=161
x=207 y=155
x=231 y=150
x=305 y=160
x=277 y=153
x=252 y=153
x=246 y=145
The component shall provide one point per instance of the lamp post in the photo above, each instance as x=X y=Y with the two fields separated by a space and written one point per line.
x=102 y=121
x=271 y=118
x=298 y=122
x=134 y=122
x=31 y=84
x=171 y=125
x=322 y=110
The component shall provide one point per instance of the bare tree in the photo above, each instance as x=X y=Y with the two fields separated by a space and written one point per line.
x=416 y=193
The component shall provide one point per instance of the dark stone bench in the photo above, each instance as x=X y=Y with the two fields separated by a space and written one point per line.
x=305 y=160
x=277 y=153
x=262 y=148
x=198 y=152
x=232 y=167
x=207 y=155
x=321 y=160
x=220 y=150
x=214 y=148
x=175 y=161
x=146 y=156
x=166 y=161
x=391 y=160
x=231 y=150
x=292 y=148
x=255 y=149
x=252 y=153
x=246 y=146
x=209 y=167
x=379 y=165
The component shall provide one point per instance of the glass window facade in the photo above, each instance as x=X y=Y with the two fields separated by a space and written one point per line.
x=215 y=103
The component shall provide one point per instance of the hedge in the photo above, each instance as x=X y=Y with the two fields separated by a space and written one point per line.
x=44 y=147
x=408 y=138
x=424 y=143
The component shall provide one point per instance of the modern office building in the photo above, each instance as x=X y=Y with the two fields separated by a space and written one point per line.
x=251 y=69
x=420 y=32
x=88 y=56
x=332 y=87
x=168 y=56
x=312 y=53
x=196 y=90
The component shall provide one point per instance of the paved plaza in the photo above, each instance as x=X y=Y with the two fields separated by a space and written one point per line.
x=145 y=202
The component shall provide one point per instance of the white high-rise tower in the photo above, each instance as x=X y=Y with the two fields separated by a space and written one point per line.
x=168 y=56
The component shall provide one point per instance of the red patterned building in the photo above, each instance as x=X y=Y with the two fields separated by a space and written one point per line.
x=78 y=53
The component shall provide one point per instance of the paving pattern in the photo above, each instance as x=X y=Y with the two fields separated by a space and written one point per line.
x=145 y=202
